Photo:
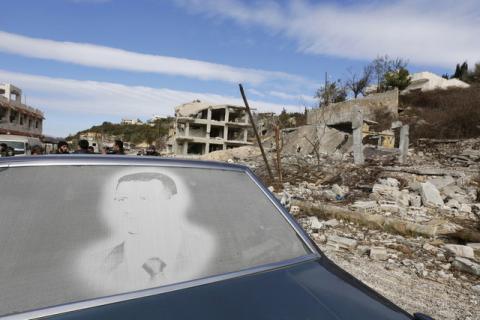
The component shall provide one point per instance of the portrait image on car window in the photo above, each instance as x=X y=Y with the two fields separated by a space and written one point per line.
x=152 y=243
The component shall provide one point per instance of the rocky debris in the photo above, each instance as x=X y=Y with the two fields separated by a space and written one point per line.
x=442 y=182
x=378 y=253
x=315 y=224
x=294 y=210
x=410 y=221
x=460 y=251
x=476 y=288
x=466 y=265
x=332 y=223
x=338 y=243
x=476 y=249
x=430 y=195
x=234 y=154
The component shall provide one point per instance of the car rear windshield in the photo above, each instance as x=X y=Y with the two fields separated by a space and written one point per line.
x=71 y=233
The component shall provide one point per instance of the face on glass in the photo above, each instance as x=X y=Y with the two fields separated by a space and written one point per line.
x=142 y=205
x=64 y=148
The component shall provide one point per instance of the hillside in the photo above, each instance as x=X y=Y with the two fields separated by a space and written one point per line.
x=129 y=132
x=442 y=114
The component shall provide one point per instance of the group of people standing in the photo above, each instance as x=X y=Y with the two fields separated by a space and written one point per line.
x=85 y=148
x=63 y=148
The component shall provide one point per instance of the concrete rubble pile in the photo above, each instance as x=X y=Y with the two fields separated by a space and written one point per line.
x=415 y=212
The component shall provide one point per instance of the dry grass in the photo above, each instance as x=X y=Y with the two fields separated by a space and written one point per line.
x=443 y=114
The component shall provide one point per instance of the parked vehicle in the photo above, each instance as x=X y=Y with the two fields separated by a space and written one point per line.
x=20 y=144
x=145 y=238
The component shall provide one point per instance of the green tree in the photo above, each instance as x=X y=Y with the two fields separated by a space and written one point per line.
x=397 y=79
x=461 y=71
x=383 y=65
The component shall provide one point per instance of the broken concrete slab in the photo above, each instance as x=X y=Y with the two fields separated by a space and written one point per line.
x=466 y=265
x=294 y=210
x=365 y=206
x=430 y=248
x=415 y=200
x=441 y=182
x=315 y=224
x=459 y=250
x=332 y=223
x=430 y=195
x=337 y=242
x=378 y=253
x=386 y=192
x=391 y=182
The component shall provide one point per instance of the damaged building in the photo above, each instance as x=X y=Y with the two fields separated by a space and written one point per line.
x=16 y=117
x=334 y=127
x=202 y=127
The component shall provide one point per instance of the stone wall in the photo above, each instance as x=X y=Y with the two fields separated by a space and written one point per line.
x=341 y=112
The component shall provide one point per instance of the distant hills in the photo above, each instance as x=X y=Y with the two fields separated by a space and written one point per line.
x=133 y=133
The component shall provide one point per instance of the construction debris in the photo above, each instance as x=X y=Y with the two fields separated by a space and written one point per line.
x=419 y=220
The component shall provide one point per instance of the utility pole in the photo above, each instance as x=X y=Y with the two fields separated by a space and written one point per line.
x=247 y=107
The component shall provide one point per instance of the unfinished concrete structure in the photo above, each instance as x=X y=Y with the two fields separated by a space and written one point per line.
x=16 y=117
x=350 y=126
x=338 y=114
x=202 y=127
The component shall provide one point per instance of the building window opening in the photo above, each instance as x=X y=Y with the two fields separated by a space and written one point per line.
x=235 y=134
x=218 y=115
x=196 y=148
x=13 y=115
x=197 y=130
x=215 y=147
x=3 y=113
x=216 y=132
x=238 y=116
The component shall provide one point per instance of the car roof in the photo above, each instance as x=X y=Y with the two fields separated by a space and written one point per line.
x=115 y=160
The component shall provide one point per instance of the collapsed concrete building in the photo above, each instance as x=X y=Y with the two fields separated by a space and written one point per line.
x=346 y=126
x=202 y=127
x=16 y=117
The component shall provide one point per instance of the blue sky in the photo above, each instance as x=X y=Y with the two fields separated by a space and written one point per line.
x=87 y=61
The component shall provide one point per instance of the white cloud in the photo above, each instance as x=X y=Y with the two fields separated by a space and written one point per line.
x=93 y=98
x=285 y=96
x=111 y=58
x=427 y=32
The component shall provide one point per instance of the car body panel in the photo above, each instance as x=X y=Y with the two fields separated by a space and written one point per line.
x=308 y=290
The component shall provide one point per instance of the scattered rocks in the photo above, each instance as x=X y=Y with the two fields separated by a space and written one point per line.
x=466 y=265
x=476 y=288
x=338 y=243
x=332 y=223
x=460 y=251
x=315 y=224
x=378 y=253
x=430 y=195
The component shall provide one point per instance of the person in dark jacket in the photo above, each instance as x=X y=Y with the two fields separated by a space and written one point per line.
x=62 y=148
x=82 y=147
x=3 y=149
x=36 y=150
x=118 y=147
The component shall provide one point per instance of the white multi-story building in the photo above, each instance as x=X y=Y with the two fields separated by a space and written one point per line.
x=17 y=118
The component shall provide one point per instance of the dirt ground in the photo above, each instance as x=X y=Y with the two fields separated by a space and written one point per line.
x=414 y=294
